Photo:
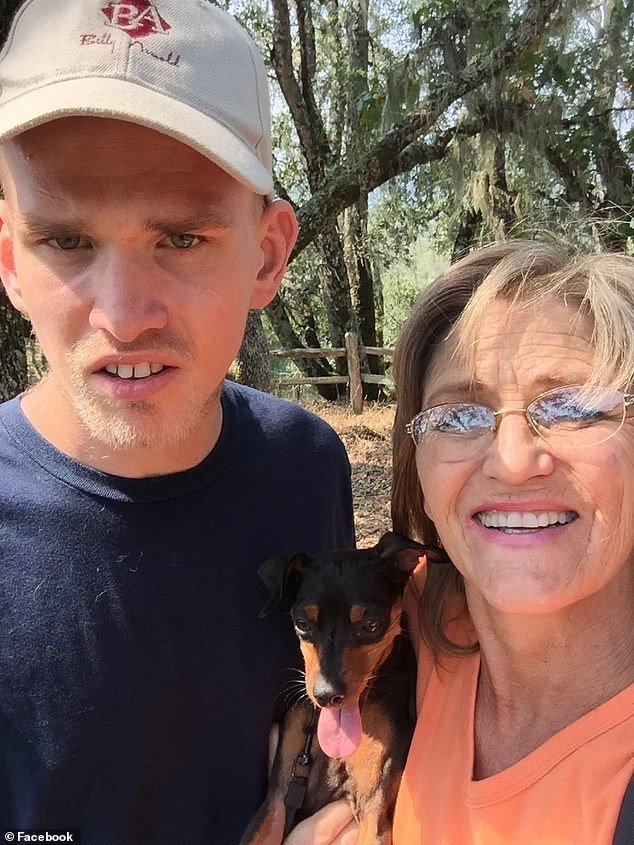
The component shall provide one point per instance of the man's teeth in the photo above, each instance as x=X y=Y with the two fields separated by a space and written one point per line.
x=515 y=519
x=136 y=371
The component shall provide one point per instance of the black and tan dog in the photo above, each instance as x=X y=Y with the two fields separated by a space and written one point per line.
x=360 y=675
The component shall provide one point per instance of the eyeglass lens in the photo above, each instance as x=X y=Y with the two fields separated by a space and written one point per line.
x=576 y=415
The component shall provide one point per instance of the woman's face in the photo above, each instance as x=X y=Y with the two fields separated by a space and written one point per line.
x=537 y=567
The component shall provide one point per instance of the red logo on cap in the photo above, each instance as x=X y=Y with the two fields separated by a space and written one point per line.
x=138 y=18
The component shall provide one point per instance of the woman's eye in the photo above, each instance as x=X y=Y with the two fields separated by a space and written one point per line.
x=461 y=419
x=452 y=421
x=184 y=241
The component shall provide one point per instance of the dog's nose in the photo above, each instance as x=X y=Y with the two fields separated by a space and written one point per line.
x=326 y=694
x=329 y=700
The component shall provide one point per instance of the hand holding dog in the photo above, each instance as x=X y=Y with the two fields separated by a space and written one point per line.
x=334 y=824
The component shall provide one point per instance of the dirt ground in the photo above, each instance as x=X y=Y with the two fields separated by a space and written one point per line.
x=367 y=439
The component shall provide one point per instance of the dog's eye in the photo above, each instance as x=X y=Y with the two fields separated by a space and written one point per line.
x=370 y=626
x=302 y=626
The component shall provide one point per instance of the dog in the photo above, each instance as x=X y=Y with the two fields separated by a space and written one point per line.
x=360 y=673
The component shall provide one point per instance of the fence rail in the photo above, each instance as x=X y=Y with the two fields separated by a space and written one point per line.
x=355 y=379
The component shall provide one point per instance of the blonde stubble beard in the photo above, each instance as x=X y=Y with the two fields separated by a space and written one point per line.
x=128 y=426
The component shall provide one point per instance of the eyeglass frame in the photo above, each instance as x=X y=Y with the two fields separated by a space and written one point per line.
x=628 y=401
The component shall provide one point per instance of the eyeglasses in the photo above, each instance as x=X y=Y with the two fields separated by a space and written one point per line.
x=575 y=415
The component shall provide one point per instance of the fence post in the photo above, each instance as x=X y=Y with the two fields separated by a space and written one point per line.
x=354 y=372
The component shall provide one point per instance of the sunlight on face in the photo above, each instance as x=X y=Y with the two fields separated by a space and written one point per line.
x=531 y=527
x=152 y=259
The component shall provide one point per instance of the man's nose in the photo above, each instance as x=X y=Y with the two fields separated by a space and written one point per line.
x=128 y=296
x=517 y=454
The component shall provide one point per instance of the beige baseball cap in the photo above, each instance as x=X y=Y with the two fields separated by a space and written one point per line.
x=182 y=67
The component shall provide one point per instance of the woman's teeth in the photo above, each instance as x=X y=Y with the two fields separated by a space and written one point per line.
x=530 y=520
x=136 y=371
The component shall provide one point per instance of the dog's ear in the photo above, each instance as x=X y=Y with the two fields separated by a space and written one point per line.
x=279 y=575
x=405 y=553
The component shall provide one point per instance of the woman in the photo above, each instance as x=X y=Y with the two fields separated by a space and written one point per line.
x=514 y=451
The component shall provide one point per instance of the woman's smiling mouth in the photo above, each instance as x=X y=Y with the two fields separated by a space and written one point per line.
x=524 y=520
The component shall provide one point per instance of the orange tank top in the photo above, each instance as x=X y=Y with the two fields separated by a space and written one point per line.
x=566 y=792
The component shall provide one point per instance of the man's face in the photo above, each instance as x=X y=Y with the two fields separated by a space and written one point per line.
x=136 y=260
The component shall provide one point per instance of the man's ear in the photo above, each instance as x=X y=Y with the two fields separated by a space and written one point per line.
x=7 y=259
x=278 y=233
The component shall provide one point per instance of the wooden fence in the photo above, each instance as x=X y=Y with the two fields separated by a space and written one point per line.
x=355 y=378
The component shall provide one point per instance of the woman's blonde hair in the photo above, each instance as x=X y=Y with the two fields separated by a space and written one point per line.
x=598 y=289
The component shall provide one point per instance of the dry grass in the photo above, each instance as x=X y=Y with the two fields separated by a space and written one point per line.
x=367 y=438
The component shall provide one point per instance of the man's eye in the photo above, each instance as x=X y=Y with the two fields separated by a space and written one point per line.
x=66 y=243
x=183 y=241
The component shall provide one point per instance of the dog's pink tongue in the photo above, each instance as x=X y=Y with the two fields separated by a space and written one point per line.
x=339 y=730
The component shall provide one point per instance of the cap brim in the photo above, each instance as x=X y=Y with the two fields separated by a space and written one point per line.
x=123 y=100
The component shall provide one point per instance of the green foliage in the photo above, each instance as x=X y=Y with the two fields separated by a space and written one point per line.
x=403 y=281
x=538 y=166
x=546 y=148
x=371 y=105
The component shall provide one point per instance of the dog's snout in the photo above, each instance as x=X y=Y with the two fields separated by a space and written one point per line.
x=327 y=694
x=328 y=700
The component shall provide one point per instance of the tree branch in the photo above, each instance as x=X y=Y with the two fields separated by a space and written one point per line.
x=282 y=61
x=343 y=186
x=310 y=130
x=307 y=73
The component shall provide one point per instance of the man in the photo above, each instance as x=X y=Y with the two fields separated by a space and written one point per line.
x=139 y=492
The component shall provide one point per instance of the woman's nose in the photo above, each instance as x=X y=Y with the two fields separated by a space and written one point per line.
x=127 y=297
x=517 y=454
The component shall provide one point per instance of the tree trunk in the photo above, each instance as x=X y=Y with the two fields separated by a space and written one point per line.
x=466 y=237
x=299 y=96
x=253 y=357
x=341 y=317
x=13 y=329
x=501 y=199
x=13 y=334
x=356 y=218
x=363 y=296
x=288 y=339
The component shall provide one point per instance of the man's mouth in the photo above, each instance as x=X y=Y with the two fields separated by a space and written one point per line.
x=142 y=370
x=525 y=520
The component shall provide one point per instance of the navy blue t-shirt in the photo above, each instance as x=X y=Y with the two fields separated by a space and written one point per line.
x=137 y=681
